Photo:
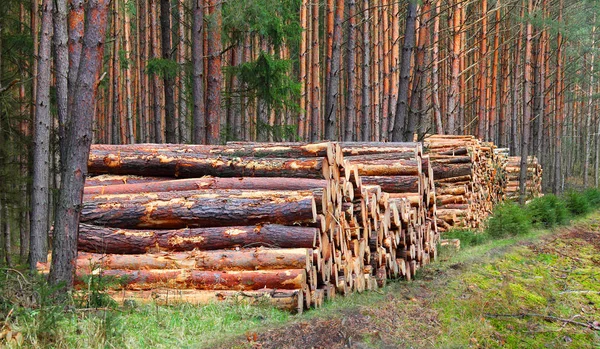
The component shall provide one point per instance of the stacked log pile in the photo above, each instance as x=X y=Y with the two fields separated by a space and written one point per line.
x=292 y=224
x=534 y=178
x=468 y=179
x=409 y=236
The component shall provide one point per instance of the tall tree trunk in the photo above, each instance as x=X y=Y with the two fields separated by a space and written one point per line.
x=435 y=75
x=455 y=23
x=315 y=105
x=158 y=106
x=333 y=81
x=527 y=87
x=366 y=75
x=303 y=69
x=482 y=93
x=214 y=78
x=41 y=144
x=416 y=113
x=588 y=118
x=495 y=68
x=184 y=125
x=168 y=81
x=407 y=50
x=61 y=69
x=199 y=131
x=128 y=90
x=78 y=141
x=350 y=126
x=559 y=105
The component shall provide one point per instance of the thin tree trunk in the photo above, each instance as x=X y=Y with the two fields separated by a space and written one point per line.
x=495 y=68
x=453 y=93
x=435 y=76
x=158 y=134
x=41 y=144
x=527 y=87
x=350 y=126
x=78 y=140
x=128 y=90
x=366 y=76
x=315 y=117
x=214 y=77
x=559 y=106
x=482 y=93
x=184 y=125
x=588 y=119
x=168 y=82
x=333 y=81
x=407 y=50
x=416 y=114
x=61 y=69
x=199 y=132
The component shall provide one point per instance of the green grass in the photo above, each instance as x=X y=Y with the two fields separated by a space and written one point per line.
x=455 y=303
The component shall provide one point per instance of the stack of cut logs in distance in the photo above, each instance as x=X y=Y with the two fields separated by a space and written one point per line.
x=288 y=224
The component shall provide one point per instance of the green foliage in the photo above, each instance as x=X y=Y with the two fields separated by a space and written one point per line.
x=577 y=203
x=548 y=211
x=275 y=21
x=268 y=79
x=467 y=237
x=165 y=68
x=592 y=195
x=508 y=219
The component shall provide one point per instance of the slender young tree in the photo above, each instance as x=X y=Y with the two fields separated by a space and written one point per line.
x=41 y=144
x=407 y=50
x=199 y=116
x=79 y=139
x=527 y=87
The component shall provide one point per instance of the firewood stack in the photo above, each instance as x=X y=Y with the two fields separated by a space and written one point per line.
x=534 y=178
x=287 y=224
x=467 y=178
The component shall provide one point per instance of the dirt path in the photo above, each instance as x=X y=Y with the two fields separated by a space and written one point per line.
x=454 y=303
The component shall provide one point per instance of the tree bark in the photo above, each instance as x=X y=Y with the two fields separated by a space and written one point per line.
x=99 y=239
x=61 y=71
x=199 y=209
x=333 y=79
x=214 y=77
x=366 y=75
x=416 y=112
x=350 y=127
x=78 y=141
x=527 y=87
x=199 y=131
x=455 y=21
x=258 y=258
x=41 y=144
x=168 y=81
x=407 y=50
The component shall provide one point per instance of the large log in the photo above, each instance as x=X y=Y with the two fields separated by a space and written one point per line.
x=104 y=180
x=275 y=183
x=287 y=279
x=291 y=300
x=384 y=167
x=394 y=184
x=204 y=208
x=112 y=240
x=232 y=149
x=186 y=165
x=244 y=259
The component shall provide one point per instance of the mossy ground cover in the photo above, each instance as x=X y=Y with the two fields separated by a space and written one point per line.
x=540 y=290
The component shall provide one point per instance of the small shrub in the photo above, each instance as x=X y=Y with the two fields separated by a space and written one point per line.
x=547 y=211
x=508 y=219
x=467 y=237
x=593 y=197
x=577 y=203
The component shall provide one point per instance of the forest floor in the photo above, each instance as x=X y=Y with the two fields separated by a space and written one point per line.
x=541 y=290
x=538 y=291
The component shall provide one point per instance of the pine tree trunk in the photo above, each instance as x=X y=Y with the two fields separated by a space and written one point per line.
x=214 y=77
x=333 y=81
x=527 y=87
x=350 y=126
x=315 y=105
x=435 y=76
x=482 y=92
x=493 y=135
x=156 y=86
x=559 y=106
x=78 y=140
x=128 y=90
x=455 y=23
x=199 y=131
x=407 y=50
x=41 y=143
x=61 y=70
x=588 y=118
x=366 y=75
x=416 y=113
x=168 y=82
